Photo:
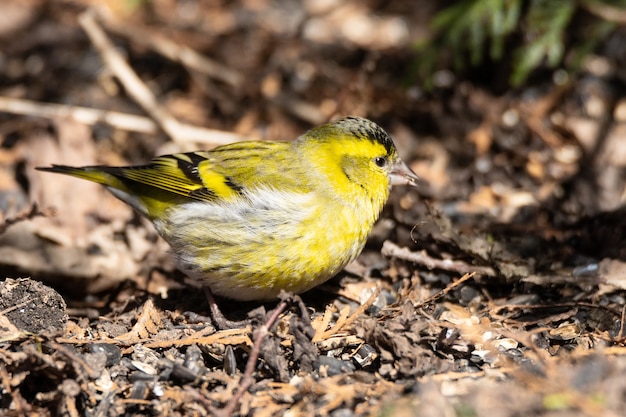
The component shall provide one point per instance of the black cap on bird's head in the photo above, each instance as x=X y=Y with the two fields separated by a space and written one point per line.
x=366 y=129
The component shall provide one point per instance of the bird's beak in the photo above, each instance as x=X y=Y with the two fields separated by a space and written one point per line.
x=401 y=174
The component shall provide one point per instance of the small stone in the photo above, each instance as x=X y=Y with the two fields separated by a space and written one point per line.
x=32 y=307
x=329 y=366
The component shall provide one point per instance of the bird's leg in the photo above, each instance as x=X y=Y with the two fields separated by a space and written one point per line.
x=218 y=317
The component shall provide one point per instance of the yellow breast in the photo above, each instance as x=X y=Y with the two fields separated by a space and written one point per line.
x=253 y=247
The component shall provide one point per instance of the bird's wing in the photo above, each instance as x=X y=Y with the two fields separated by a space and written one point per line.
x=219 y=174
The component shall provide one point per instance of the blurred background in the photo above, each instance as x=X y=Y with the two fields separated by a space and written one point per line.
x=512 y=112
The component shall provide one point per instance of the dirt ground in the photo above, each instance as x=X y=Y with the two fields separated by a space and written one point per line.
x=494 y=288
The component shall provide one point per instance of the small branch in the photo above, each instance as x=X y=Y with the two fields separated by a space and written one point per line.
x=301 y=109
x=127 y=77
x=19 y=403
x=182 y=54
x=392 y=250
x=247 y=380
x=343 y=322
x=605 y=11
x=445 y=291
x=26 y=215
x=124 y=121
x=620 y=335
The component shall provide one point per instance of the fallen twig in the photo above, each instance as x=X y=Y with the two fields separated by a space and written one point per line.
x=19 y=403
x=118 y=120
x=392 y=250
x=26 y=215
x=247 y=380
x=344 y=319
x=175 y=52
x=446 y=290
x=127 y=77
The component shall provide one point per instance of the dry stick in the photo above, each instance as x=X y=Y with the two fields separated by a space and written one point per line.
x=341 y=324
x=392 y=250
x=19 y=403
x=299 y=108
x=247 y=380
x=446 y=290
x=77 y=360
x=182 y=54
x=26 y=215
x=194 y=61
x=534 y=115
x=118 y=120
x=496 y=310
x=18 y=305
x=614 y=14
x=620 y=335
x=127 y=77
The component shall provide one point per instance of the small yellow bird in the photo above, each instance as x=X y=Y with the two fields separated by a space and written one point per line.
x=250 y=219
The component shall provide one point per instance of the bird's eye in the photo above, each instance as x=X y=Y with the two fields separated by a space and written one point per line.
x=380 y=161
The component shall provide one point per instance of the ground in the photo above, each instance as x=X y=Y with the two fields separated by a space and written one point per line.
x=493 y=288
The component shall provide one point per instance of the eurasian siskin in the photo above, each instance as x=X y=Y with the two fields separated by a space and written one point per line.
x=250 y=219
